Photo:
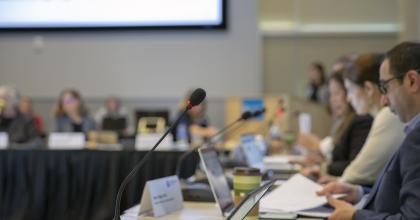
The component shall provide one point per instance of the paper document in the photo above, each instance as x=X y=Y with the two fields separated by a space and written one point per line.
x=296 y=194
x=282 y=162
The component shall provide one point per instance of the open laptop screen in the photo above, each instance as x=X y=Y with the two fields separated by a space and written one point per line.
x=217 y=179
x=252 y=152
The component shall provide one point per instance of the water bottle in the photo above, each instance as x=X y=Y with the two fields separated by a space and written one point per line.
x=274 y=131
x=182 y=137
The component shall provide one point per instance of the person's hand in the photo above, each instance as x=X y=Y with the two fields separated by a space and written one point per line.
x=310 y=160
x=324 y=179
x=201 y=131
x=353 y=195
x=210 y=131
x=342 y=210
x=309 y=141
x=312 y=172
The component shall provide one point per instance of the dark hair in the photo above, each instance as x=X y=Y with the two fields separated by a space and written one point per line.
x=364 y=68
x=404 y=57
x=59 y=111
x=338 y=77
x=320 y=68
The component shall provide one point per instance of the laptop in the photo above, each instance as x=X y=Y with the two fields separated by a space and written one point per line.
x=254 y=151
x=221 y=190
x=117 y=124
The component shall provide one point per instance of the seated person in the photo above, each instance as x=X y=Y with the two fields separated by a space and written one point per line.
x=317 y=89
x=195 y=122
x=341 y=111
x=362 y=82
x=352 y=133
x=112 y=111
x=342 y=114
x=25 y=107
x=396 y=192
x=20 y=127
x=71 y=114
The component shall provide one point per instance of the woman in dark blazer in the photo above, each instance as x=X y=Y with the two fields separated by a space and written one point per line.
x=351 y=143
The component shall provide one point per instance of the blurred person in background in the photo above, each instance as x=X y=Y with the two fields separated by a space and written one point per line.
x=26 y=108
x=71 y=114
x=348 y=135
x=317 y=88
x=21 y=128
x=342 y=114
x=341 y=63
x=194 y=126
x=112 y=109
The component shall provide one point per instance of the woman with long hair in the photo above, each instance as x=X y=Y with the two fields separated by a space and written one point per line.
x=71 y=114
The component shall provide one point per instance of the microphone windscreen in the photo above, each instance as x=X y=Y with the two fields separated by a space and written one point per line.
x=196 y=98
x=246 y=115
x=259 y=112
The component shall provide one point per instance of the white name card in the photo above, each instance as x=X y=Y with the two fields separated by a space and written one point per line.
x=161 y=197
x=4 y=140
x=147 y=141
x=66 y=140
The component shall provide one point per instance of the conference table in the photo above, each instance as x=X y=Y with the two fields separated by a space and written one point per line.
x=76 y=184
x=191 y=211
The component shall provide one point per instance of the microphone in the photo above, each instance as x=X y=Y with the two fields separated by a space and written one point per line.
x=258 y=112
x=244 y=116
x=195 y=99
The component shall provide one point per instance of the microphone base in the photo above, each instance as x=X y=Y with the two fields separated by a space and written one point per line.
x=197 y=192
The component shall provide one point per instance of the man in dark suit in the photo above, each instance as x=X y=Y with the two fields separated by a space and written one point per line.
x=396 y=193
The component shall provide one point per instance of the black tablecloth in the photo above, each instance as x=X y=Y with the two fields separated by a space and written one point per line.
x=79 y=184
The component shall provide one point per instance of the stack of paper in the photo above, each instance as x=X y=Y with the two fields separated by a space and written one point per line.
x=296 y=194
x=280 y=162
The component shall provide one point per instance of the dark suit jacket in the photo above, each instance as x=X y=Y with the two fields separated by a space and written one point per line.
x=351 y=143
x=396 y=193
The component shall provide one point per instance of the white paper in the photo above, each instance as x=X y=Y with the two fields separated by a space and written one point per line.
x=298 y=193
x=4 y=140
x=66 y=140
x=161 y=197
x=318 y=212
x=280 y=162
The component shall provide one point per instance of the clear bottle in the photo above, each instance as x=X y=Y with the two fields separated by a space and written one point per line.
x=182 y=137
x=274 y=131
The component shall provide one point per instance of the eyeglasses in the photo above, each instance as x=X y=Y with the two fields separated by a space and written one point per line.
x=67 y=101
x=384 y=84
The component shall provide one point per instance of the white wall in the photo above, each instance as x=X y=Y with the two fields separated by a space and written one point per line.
x=148 y=69
x=296 y=33
x=138 y=63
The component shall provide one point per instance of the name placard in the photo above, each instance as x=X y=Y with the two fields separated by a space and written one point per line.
x=66 y=140
x=4 y=140
x=161 y=197
x=147 y=141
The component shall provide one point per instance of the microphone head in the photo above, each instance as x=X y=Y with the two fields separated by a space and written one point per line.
x=246 y=115
x=196 y=98
x=258 y=112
